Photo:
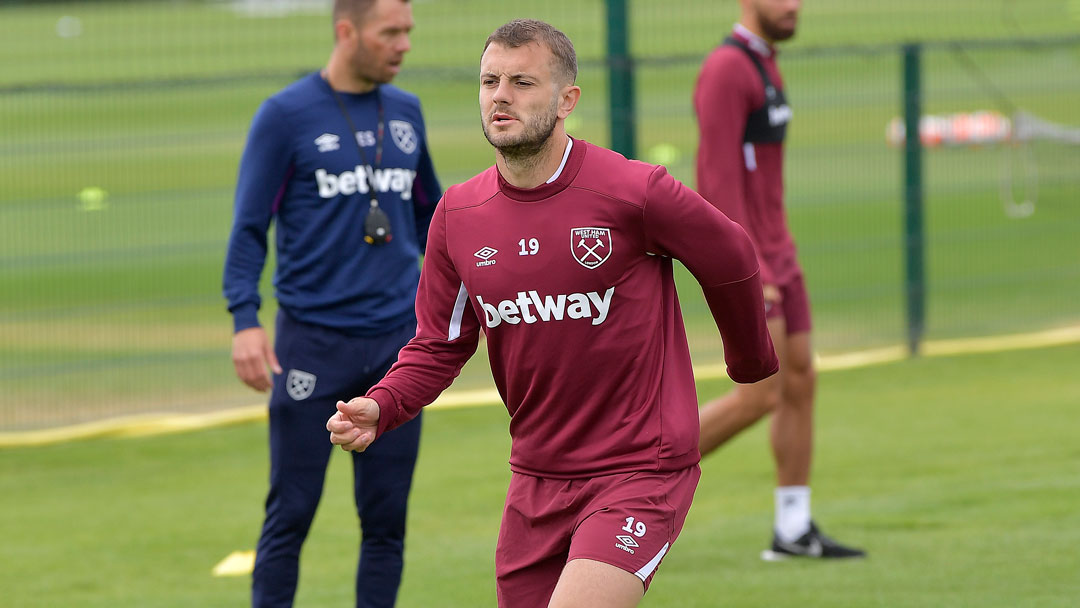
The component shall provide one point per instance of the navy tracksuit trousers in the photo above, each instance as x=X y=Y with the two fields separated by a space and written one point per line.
x=321 y=366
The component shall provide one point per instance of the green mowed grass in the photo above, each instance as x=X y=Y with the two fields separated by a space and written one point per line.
x=960 y=475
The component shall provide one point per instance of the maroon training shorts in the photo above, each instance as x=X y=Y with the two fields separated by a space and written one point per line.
x=794 y=305
x=628 y=520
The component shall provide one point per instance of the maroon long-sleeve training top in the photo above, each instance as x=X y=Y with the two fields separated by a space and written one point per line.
x=571 y=282
x=744 y=180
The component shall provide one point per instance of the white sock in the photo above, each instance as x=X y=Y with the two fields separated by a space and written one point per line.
x=792 y=512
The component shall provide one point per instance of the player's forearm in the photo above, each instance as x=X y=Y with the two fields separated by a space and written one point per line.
x=424 y=369
x=739 y=311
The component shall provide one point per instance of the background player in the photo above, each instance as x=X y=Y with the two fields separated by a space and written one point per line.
x=562 y=254
x=339 y=160
x=742 y=116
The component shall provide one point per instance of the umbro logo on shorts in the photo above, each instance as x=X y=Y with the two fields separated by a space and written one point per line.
x=626 y=542
x=299 y=384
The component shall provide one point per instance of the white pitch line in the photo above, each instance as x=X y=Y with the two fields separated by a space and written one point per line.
x=146 y=425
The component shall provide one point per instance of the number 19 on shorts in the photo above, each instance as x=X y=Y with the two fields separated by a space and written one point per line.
x=635 y=528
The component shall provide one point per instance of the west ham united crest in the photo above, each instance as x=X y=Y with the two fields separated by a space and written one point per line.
x=591 y=247
x=404 y=136
x=299 y=384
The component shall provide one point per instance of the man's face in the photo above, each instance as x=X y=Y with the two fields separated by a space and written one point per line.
x=519 y=97
x=778 y=18
x=382 y=41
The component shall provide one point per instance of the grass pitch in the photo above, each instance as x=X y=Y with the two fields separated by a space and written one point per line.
x=959 y=474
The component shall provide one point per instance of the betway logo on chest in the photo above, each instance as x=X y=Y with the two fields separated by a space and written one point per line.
x=361 y=179
x=530 y=307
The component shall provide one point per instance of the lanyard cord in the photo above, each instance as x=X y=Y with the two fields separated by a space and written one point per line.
x=378 y=136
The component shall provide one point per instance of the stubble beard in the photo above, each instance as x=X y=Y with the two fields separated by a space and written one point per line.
x=775 y=32
x=365 y=68
x=525 y=149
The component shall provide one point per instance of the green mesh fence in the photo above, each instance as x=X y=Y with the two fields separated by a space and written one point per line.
x=122 y=123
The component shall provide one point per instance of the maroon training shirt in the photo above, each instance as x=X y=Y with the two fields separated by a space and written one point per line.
x=746 y=182
x=572 y=284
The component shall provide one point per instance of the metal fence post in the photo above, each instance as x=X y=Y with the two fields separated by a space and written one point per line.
x=914 y=241
x=620 y=79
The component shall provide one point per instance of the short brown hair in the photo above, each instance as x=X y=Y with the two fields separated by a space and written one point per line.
x=523 y=31
x=353 y=9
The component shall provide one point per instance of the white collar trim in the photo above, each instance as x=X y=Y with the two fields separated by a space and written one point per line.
x=756 y=42
x=565 y=155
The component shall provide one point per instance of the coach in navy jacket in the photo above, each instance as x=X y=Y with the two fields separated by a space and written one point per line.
x=338 y=161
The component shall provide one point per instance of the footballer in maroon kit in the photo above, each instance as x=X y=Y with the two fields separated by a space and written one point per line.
x=742 y=117
x=562 y=255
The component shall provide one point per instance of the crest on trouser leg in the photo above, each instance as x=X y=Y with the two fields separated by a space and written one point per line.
x=299 y=384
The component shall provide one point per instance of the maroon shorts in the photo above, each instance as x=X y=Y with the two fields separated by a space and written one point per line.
x=628 y=520
x=794 y=305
